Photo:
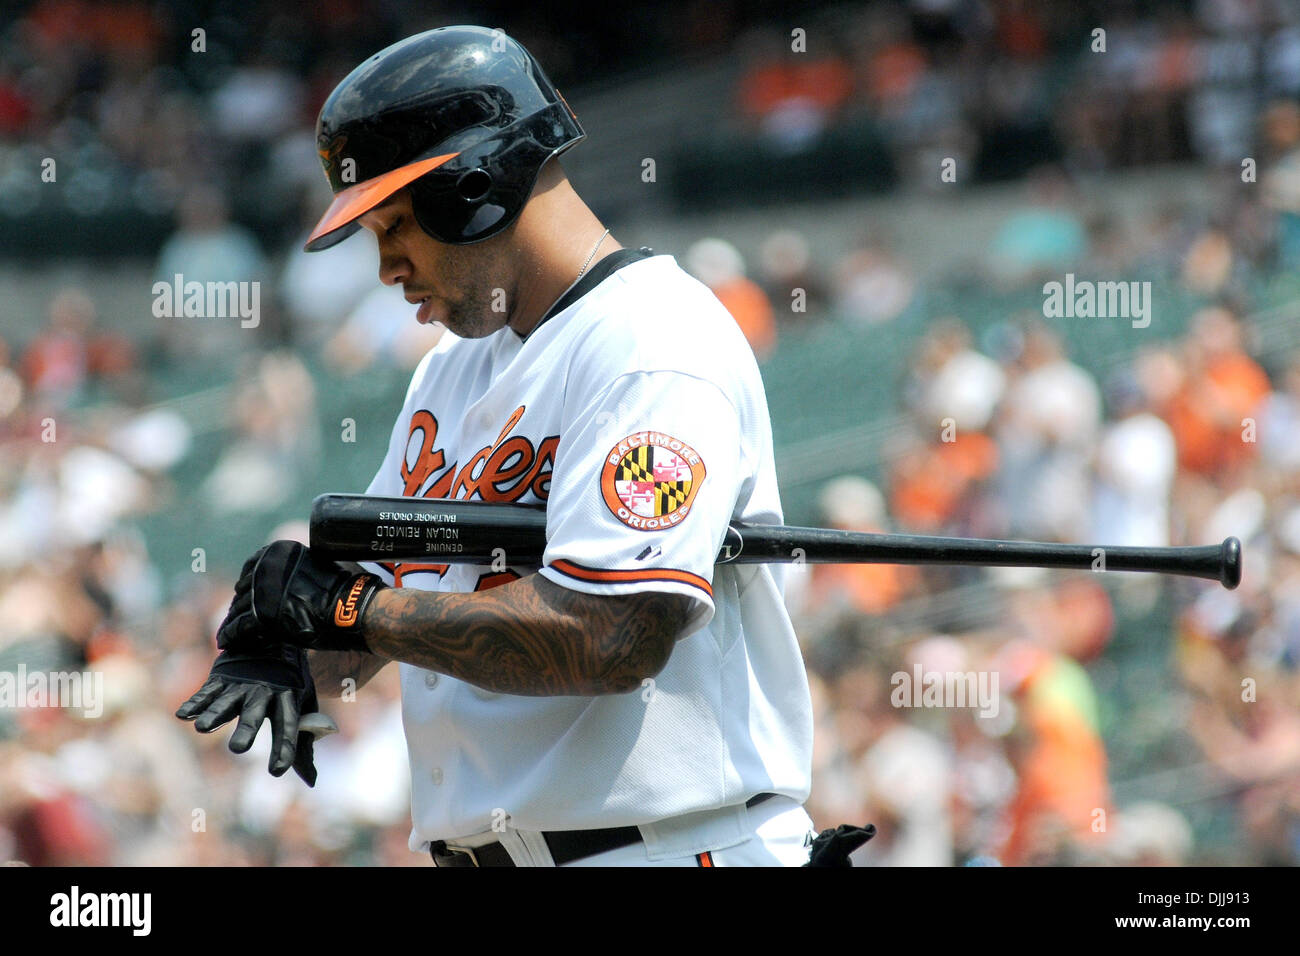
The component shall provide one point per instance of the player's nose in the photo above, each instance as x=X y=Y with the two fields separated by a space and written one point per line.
x=393 y=269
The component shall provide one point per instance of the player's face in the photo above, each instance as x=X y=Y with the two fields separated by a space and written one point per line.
x=454 y=285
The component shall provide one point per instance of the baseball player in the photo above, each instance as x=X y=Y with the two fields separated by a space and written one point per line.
x=627 y=703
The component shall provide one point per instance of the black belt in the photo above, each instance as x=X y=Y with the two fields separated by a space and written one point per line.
x=565 y=845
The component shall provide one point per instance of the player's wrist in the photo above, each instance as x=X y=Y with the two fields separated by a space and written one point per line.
x=368 y=623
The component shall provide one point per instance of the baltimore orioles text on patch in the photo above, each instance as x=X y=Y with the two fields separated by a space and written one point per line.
x=650 y=479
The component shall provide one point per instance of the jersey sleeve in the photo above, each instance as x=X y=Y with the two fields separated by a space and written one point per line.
x=646 y=478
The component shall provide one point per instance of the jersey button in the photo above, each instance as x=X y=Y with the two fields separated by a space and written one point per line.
x=431 y=680
x=436 y=776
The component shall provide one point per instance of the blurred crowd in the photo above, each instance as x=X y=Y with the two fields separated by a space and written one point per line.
x=140 y=101
x=995 y=83
x=999 y=430
x=1244 y=230
x=118 y=780
x=1189 y=443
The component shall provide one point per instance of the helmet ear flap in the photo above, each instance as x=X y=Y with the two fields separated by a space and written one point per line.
x=455 y=208
x=473 y=185
x=485 y=188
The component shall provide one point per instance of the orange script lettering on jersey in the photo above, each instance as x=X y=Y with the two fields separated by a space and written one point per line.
x=506 y=470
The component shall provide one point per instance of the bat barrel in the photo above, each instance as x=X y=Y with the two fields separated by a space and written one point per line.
x=753 y=544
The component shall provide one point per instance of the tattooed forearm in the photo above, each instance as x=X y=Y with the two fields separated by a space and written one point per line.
x=529 y=637
x=330 y=668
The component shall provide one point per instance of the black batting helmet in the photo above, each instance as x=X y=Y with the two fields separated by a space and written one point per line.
x=463 y=115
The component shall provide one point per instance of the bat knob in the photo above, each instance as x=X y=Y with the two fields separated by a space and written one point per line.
x=1230 y=563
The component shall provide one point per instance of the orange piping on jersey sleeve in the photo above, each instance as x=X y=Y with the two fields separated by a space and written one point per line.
x=618 y=577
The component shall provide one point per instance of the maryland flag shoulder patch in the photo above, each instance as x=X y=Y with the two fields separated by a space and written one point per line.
x=650 y=480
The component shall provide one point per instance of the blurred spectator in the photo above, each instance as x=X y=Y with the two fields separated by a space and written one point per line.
x=58 y=363
x=1161 y=242
x=1221 y=386
x=11 y=389
x=274 y=441
x=1282 y=179
x=1051 y=413
x=256 y=102
x=1045 y=238
x=1150 y=834
x=1279 y=426
x=871 y=284
x=1209 y=262
x=953 y=391
x=1255 y=745
x=908 y=771
x=932 y=485
x=381 y=330
x=850 y=503
x=1135 y=465
x=1222 y=105
x=791 y=95
x=951 y=380
x=895 y=64
x=983 y=780
x=718 y=264
x=15 y=107
x=321 y=289
x=786 y=267
x=1059 y=760
x=55 y=363
x=207 y=247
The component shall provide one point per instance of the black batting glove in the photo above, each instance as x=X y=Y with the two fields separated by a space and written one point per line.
x=286 y=596
x=271 y=683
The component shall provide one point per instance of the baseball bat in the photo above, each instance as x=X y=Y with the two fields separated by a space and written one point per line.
x=372 y=528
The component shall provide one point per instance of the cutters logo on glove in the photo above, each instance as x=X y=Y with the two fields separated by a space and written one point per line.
x=650 y=479
x=285 y=596
x=345 y=610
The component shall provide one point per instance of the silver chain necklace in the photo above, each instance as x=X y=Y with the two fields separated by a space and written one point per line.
x=593 y=254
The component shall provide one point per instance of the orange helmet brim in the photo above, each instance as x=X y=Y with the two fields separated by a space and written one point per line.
x=355 y=201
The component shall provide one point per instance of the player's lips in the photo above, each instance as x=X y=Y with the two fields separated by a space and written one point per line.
x=425 y=302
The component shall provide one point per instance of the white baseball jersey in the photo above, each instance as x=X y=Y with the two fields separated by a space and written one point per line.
x=638 y=415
